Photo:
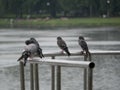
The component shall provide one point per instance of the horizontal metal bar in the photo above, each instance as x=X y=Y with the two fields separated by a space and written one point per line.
x=105 y=52
x=82 y=64
x=80 y=53
x=62 y=54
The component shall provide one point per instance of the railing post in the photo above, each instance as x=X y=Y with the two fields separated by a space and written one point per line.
x=58 y=77
x=85 y=74
x=22 y=79
x=90 y=79
x=36 y=77
x=53 y=76
x=31 y=77
x=56 y=73
x=90 y=57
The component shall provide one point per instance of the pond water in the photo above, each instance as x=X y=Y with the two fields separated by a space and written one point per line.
x=106 y=72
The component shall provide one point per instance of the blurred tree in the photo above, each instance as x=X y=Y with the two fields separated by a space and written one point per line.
x=53 y=8
x=2 y=8
x=14 y=7
x=75 y=8
x=115 y=7
x=28 y=6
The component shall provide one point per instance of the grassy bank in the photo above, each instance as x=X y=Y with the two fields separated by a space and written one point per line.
x=63 y=22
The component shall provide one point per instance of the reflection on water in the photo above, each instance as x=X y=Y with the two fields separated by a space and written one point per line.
x=106 y=72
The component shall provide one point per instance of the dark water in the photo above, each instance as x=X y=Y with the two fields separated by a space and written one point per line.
x=106 y=72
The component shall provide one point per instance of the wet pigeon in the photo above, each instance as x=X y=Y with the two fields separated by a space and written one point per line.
x=62 y=45
x=39 y=50
x=83 y=45
x=30 y=51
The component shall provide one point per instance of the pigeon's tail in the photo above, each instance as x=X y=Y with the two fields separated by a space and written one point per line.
x=88 y=55
x=20 y=58
x=24 y=56
x=25 y=59
x=67 y=51
x=40 y=54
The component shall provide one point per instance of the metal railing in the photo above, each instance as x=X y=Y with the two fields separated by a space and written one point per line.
x=56 y=64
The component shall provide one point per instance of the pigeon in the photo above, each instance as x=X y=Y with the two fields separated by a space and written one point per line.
x=39 y=50
x=62 y=45
x=83 y=45
x=30 y=51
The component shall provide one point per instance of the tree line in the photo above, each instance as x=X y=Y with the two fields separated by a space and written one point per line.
x=59 y=8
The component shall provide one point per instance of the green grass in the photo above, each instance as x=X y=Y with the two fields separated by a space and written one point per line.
x=64 y=22
x=4 y=22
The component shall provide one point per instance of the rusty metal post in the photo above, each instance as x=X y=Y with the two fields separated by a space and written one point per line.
x=36 y=76
x=85 y=74
x=22 y=79
x=58 y=77
x=53 y=76
x=90 y=79
x=31 y=77
x=90 y=75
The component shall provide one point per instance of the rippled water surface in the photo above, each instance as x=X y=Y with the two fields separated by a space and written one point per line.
x=106 y=72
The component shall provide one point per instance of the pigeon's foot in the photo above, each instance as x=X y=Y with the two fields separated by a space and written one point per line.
x=82 y=52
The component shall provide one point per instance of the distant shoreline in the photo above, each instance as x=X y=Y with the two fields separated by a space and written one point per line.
x=62 y=22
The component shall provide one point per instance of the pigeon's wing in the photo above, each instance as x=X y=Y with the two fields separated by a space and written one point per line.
x=24 y=56
x=83 y=45
x=39 y=52
x=61 y=44
x=67 y=51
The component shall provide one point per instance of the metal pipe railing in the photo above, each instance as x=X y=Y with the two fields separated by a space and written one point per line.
x=81 y=54
x=87 y=71
x=58 y=63
x=81 y=64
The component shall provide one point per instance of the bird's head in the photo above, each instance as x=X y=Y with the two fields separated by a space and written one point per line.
x=32 y=39
x=27 y=42
x=81 y=37
x=59 y=38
